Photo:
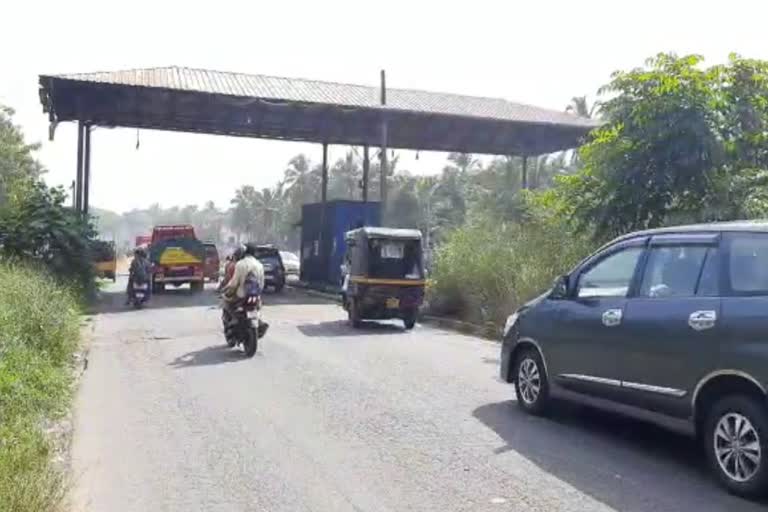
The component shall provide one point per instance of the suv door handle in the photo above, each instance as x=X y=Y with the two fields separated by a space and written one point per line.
x=702 y=320
x=612 y=317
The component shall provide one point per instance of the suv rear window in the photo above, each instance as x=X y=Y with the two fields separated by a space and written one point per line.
x=748 y=267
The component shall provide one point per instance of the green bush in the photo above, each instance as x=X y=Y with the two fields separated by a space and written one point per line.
x=487 y=268
x=39 y=327
x=36 y=225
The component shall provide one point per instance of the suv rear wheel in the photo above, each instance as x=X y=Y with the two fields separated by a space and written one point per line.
x=736 y=442
x=531 y=385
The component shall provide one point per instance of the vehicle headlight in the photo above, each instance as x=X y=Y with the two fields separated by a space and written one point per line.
x=511 y=319
x=267 y=267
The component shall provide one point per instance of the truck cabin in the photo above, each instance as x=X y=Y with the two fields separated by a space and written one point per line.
x=175 y=232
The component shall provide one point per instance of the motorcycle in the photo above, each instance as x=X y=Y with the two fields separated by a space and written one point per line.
x=140 y=294
x=246 y=327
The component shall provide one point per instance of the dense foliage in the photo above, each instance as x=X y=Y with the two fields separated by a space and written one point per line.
x=681 y=143
x=35 y=223
x=486 y=269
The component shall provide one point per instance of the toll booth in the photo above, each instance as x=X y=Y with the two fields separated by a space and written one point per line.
x=322 y=237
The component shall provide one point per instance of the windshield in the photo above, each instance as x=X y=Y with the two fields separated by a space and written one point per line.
x=395 y=259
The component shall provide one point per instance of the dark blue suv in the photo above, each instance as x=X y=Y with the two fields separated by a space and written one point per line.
x=669 y=324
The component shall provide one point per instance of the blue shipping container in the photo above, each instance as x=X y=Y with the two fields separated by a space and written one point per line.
x=322 y=236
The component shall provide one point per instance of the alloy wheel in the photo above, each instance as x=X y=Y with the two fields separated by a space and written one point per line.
x=737 y=447
x=529 y=380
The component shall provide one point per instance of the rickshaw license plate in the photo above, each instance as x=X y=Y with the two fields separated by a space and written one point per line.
x=393 y=303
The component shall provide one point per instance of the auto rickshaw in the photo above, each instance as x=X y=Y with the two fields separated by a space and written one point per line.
x=385 y=275
x=105 y=259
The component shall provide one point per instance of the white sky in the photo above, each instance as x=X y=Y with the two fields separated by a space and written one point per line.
x=541 y=53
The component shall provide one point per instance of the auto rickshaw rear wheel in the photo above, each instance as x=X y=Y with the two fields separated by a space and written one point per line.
x=354 y=313
x=409 y=319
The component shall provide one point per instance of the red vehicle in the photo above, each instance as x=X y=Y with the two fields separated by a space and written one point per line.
x=143 y=240
x=212 y=262
x=177 y=257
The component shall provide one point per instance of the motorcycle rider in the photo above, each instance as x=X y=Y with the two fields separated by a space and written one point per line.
x=229 y=268
x=138 y=273
x=247 y=268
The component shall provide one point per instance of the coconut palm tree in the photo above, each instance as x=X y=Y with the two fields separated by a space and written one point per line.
x=296 y=177
x=464 y=162
x=267 y=204
x=244 y=220
x=580 y=107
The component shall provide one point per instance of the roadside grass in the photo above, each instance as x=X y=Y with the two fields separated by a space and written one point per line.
x=487 y=269
x=39 y=331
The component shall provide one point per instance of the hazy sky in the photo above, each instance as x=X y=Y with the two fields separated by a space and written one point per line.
x=541 y=53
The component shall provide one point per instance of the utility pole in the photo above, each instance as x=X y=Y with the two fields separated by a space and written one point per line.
x=383 y=154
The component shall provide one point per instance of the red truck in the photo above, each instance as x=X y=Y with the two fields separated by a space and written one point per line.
x=177 y=257
x=143 y=240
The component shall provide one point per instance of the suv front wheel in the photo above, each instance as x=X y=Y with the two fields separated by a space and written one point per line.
x=531 y=385
x=736 y=437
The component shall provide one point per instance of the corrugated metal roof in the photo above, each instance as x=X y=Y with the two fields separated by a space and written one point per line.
x=313 y=91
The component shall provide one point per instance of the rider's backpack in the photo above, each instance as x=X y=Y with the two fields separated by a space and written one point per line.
x=251 y=286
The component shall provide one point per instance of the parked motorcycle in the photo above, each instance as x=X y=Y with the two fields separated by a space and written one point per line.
x=140 y=294
x=246 y=327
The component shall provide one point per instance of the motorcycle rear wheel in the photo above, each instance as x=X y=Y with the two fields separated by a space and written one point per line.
x=251 y=342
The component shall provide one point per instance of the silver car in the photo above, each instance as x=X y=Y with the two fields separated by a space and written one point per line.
x=291 y=263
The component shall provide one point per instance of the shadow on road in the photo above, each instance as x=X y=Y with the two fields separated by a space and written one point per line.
x=627 y=464
x=292 y=296
x=215 y=354
x=341 y=328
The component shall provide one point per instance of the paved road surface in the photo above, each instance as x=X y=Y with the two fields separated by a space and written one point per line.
x=325 y=418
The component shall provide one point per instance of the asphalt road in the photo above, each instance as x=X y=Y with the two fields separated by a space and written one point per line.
x=326 y=418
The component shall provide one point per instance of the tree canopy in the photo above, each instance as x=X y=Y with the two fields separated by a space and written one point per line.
x=681 y=142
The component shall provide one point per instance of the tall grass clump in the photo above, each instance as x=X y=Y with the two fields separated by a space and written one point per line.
x=39 y=326
x=486 y=269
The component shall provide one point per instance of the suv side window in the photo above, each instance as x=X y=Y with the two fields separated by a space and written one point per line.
x=748 y=266
x=611 y=276
x=673 y=271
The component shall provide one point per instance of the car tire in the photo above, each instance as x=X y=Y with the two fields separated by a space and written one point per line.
x=745 y=475
x=196 y=286
x=531 y=384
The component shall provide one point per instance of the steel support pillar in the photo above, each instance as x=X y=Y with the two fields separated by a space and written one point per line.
x=79 y=174
x=525 y=173
x=383 y=154
x=324 y=181
x=366 y=169
x=323 y=215
x=86 y=168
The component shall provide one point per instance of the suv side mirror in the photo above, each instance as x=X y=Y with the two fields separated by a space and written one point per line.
x=560 y=288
